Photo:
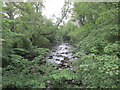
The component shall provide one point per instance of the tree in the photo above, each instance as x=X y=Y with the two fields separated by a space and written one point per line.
x=65 y=11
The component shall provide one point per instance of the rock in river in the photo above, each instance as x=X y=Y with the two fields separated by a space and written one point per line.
x=64 y=61
x=50 y=57
x=59 y=55
x=57 y=59
x=66 y=58
x=66 y=48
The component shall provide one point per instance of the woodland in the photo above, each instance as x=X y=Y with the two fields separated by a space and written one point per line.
x=27 y=38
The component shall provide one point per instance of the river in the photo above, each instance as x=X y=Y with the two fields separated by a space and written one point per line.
x=61 y=54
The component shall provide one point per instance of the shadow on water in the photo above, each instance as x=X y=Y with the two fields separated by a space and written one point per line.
x=61 y=54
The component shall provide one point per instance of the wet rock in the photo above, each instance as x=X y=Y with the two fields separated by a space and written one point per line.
x=50 y=57
x=64 y=61
x=66 y=58
x=62 y=66
x=66 y=53
x=60 y=69
x=67 y=43
x=53 y=51
x=59 y=56
x=48 y=84
x=57 y=59
x=57 y=53
x=60 y=48
x=53 y=55
x=66 y=48
x=62 y=53
x=75 y=57
x=67 y=66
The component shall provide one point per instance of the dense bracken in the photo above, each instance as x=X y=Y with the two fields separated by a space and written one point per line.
x=27 y=36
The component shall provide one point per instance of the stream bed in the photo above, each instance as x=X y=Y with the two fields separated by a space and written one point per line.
x=61 y=54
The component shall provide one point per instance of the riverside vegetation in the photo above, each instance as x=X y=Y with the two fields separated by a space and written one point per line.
x=27 y=36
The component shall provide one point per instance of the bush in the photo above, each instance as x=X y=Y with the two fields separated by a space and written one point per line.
x=112 y=48
x=98 y=71
x=41 y=41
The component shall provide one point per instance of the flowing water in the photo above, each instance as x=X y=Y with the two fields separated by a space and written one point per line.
x=61 y=54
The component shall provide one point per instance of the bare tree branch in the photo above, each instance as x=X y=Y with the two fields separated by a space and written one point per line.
x=64 y=13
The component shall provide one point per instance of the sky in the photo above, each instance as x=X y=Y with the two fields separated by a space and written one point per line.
x=52 y=7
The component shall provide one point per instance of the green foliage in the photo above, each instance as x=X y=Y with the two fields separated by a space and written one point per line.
x=92 y=29
x=112 y=48
x=98 y=71
x=25 y=71
x=41 y=41
x=23 y=62
x=65 y=74
x=22 y=80
x=98 y=32
x=97 y=45
x=62 y=33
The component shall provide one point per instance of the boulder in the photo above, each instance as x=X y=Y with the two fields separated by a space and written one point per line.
x=63 y=53
x=50 y=57
x=66 y=48
x=66 y=53
x=66 y=58
x=59 y=56
x=57 y=59
x=64 y=61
